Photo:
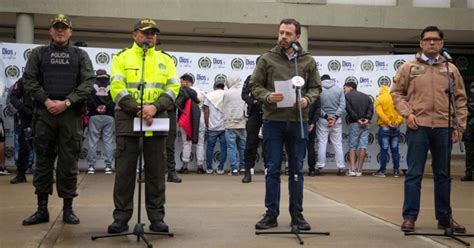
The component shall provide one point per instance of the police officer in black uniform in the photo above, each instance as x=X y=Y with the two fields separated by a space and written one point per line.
x=59 y=77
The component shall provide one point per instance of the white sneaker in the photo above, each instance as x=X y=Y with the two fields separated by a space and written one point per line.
x=350 y=173
x=266 y=171
x=252 y=171
x=91 y=170
x=242 y=170
x=358 y=173
x=209 y=171
x=234 y=172
x=220 y=172
x=108 y=170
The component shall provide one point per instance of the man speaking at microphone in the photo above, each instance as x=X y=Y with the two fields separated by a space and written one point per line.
x=281 y=126
x=420 y=94
x=160 y=91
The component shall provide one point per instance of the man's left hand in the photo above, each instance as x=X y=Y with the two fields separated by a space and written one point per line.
x=57 y=107
x=147 y=113
x=303 y=103
x=455 y=136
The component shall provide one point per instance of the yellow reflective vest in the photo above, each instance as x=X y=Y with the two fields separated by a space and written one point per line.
x=161 y=84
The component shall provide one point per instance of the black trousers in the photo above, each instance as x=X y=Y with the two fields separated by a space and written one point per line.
x=310 y=146
x=254 y=122
x=170 y=161
x=24 y=151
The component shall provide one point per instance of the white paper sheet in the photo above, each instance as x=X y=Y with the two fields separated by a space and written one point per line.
x=159 y=124
x=289 y=95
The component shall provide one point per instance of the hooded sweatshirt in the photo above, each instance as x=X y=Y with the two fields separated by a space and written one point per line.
x=385 y=108
x=233 y=104
x=333 y=101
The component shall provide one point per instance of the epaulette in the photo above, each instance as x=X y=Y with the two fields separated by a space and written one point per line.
x=123 y=50
x=167 y=54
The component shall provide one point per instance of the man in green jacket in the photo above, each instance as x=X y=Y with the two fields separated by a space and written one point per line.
x=59 y=77
x=281 y=125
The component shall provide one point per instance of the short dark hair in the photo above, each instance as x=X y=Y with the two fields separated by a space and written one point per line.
x=432 y=29
x=80 y=44
x=325 y=77
x=187 y=77
x=351 y=84
x=294 y=22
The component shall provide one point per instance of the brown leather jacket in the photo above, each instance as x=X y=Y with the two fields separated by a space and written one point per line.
x=421 y=89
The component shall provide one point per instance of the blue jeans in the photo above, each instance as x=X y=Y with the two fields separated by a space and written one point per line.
x=389 y=138
x=212 y=137
x=236 y=138
x=275 y=135
x=419 y=142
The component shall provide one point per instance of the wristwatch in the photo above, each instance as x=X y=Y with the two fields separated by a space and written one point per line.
x=68 y=103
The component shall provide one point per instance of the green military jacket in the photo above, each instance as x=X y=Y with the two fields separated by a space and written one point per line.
x=274 y=65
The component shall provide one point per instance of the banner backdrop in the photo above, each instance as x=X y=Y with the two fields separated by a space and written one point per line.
x=206 y=68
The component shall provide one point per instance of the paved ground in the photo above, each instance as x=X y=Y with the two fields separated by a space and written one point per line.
x=220 y=211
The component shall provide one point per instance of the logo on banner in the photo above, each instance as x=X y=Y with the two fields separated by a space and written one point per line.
x=367 y=65
x=184 y=62
x=237 y=64
x=462 y=63
x=12 y=71
x=346 y=157
x=371 y=138
x=351 y=79
x=218 y=63
x=102 y=58
x=403 y=138
x=250 y=64
x=175 y=60
x=319 y=66
x=8 y=53
x=9 y=152
x=364 y=82
x=381 y=65
x=26 y=54
x=334 y=66
x=204 y=63
x=372 y=99
x=398 y=63
x=378 y=158
x=384 y=80
x=221 y=78
x=201 y=78
x=347 y=66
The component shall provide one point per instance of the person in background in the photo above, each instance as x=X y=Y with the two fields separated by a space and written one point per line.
x=23 y=105
x=468 y=136
x=234 y=123
x=214 y=118
x=389 y=122
x=101 y=122
x=191 y=118
x=359 y=109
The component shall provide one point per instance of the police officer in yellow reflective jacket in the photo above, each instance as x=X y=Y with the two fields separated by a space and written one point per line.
x=160 y=91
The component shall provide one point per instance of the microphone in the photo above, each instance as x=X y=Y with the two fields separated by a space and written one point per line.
x=445 y=54
x=145 y=45
x=295 y=45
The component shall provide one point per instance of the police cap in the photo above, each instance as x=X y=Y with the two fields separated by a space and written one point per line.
x=146 y=24
x=61 y=19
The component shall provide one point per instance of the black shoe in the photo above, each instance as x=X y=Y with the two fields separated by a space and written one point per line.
x=340 y=172
x=266 y=222
x=36 y=218
x=69 y=217
x=18 y=179
x=311 y=172
x=300 y=222
x=247 y=177
x=318 y=172
x=200 y=170
x=118 y=226
x=396 y=173
x=173 y=177
x=183 y=170
x=466 y=178
x=159 y=226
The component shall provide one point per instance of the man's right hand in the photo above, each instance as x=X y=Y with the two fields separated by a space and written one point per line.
x=275 y=97
x=411 y=122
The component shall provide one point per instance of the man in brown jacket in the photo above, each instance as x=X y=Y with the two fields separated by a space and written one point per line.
x=419 y=93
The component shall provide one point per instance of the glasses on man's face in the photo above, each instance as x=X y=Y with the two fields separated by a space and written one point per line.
x=429 y=40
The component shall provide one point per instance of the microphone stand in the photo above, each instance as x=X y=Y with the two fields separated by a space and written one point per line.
x=448 y=232
x=294 y=228
x=138 y=229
